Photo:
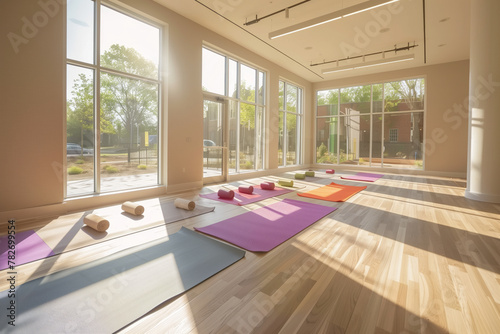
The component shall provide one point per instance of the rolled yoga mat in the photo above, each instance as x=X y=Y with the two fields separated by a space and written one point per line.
x=185 y=204
x=300 y=176
x=226 y=194
x=267 y=185
x=133 y=208
x=96 y=222
x=245 y=190
x=330 y=171
x=310 y=173
x=285 y=183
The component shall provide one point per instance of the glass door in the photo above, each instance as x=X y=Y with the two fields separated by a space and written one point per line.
x=214 y=140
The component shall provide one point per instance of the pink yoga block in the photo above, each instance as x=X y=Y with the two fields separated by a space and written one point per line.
x=226 y=194
x=330 y=171
x=267 y=185
x=246 y=190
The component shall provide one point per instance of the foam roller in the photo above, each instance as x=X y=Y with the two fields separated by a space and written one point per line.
x=285 y=183
x=133 y=208
x=330 y=171
x=300 y=176
x=267 y=185
x=225 y=194
x=245 y=190
x=310 y=173
x=185 y=204
x=96 y=222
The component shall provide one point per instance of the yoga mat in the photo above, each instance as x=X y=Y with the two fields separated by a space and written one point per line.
x=69 y=232
x=107 y=294
x=368 y=177
x=241 y=199
x=29 y=247
x=265 y=228
x=333 y=192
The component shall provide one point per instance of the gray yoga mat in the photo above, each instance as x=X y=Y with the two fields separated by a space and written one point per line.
x=106 y=295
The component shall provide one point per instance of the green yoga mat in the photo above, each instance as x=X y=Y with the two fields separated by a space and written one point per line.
x=106 y=295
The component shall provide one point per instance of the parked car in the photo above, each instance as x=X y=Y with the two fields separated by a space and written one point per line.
x=72 y=148
x=208 y=142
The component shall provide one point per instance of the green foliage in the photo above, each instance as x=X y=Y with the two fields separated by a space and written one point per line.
x=111 y=169
x=80 y=161
x=322 y=149
x=142 y=167
x=75 y=170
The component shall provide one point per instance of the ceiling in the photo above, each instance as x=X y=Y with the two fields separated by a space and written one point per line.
x=307 y=53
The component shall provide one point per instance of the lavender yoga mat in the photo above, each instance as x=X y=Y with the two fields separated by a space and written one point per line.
x=29 y=247
x=263 y=229
x=258 y=194
x=368 y=177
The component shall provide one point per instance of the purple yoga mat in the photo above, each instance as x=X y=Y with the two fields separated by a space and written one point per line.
x=29 y=247
x=368 y=177
x=263 y=229
x=244 y=199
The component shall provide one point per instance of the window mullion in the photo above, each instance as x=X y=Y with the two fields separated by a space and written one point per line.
x=97 y=98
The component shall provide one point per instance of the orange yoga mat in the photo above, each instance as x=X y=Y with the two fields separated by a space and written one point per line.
x=333 y=192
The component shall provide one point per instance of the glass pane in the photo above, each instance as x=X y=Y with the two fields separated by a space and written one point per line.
x=247 y=85
x=378 y=98
x=292 y=145
x=129 y=133
x=262 y=88
x=291 y=98
x=129 y=45
x=350 y=138
x=233 y=136
x=213 y=72
x=247 y=137
x=328 y=102
x=80 y=131
x=233 y=78
x=80 y=30
x=212 y=138
x=281 y=95
x=403 y=135
x=259 y=128
x=326 y=140
x=404 y=95
x=377 y=140
x=355 y=100
x=280 y=140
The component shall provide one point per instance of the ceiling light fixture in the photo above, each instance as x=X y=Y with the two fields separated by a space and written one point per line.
x=362 y=7
x=382 y=61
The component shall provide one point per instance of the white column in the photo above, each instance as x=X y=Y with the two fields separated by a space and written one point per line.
x=483 y=170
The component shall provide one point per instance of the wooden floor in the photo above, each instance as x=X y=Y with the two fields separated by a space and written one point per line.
x=410 y=254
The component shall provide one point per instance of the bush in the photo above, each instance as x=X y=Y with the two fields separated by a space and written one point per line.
x=80 y=161
x=142 y=166
x=74 y=170
x=111 y=169
x=322 y=149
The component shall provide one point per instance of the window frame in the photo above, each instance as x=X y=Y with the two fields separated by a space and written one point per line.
x=299 y=113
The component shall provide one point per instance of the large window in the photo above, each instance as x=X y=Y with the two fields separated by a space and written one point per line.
x=113 y=91
x=374 y=125
x=244 y=87
x=290 y=121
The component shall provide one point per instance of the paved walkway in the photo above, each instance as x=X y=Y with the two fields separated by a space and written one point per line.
x=108 y=184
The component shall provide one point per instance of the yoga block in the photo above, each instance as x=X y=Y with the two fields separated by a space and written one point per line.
x=245 y=190
x=310 y=173
x=285 y=183
x=300 y=176
x=225 y=194
x=330 y=171
x=267 y=185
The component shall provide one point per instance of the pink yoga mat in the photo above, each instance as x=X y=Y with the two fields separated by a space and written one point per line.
x=29 y=247
x=263 y=229
x=244 y=199
x=368 y=177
